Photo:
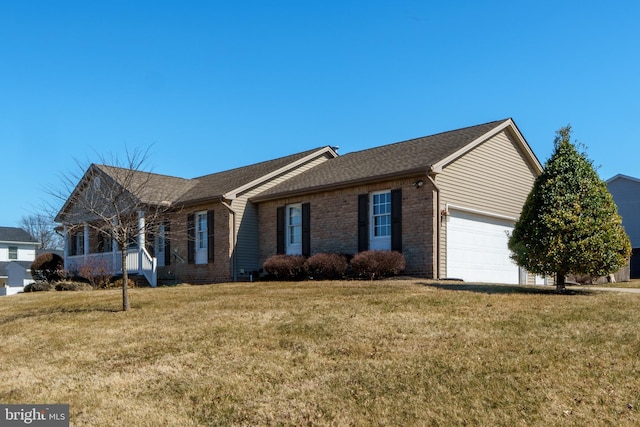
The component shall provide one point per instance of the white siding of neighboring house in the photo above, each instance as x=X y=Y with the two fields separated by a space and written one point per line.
x=26 y=251
x=495 y=177
x=17 y=275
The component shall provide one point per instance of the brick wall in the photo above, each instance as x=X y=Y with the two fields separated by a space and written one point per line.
x=334 y=222
x=216 y=271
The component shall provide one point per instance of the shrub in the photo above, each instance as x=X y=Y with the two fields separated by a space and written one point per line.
x=285 y=267
x=377 y=264
x=97 y=272
x=117 y=283
x=72 y=286
x=38 y=286
x=47 y=267
x=326 y=266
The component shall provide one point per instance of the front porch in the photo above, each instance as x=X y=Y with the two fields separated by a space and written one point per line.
x=92 y=250
x=138 y=261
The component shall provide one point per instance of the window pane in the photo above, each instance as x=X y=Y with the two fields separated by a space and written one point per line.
x=294 y=225
x=295 y=234
x=202 y=231
x=13 y=252
x=382 y=226
x=381 y=214
x=295 y=216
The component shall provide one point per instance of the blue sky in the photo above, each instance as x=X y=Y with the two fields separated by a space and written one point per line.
x=216 y=85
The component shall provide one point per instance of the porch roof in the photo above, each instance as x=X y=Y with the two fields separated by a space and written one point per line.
x=152 y=188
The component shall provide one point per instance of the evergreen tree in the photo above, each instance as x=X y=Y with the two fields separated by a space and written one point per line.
x=569 y=222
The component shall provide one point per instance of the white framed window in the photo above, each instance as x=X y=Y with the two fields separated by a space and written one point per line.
x=380 y=220
x=13 y=252
x=293 y=220
x=201 y=237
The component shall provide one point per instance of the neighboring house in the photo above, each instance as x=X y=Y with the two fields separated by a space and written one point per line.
x=626 y=193
x=446 y=201
x=17 y=252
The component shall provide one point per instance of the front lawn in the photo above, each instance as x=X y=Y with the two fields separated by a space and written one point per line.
x=397 y=352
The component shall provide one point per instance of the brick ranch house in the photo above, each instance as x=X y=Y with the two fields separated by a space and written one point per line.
x=446 y=201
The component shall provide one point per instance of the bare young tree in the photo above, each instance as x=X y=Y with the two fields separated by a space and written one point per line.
x=117 y=199
x=43 y=228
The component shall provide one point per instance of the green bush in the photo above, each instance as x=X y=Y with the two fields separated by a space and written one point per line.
x=285 y=267
x=326 y=266
x=377 y=264
x=47 y=267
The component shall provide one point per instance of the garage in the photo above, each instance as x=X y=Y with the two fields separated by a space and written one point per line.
x=477 y=248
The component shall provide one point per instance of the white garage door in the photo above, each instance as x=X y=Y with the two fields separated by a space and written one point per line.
x=477 y=248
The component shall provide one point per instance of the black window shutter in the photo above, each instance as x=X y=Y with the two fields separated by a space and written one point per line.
x=191 y=238
x=396 y=220
x=280 y=230
x=210 y=234
x=306 y=229
x=363 y=222
x=167 y=243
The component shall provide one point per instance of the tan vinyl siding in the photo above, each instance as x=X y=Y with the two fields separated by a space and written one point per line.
x=247 y=219
x=495 y=177
x=302 y=168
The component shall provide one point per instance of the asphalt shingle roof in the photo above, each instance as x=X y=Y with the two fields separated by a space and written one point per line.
x=388 y=160
x=156 y=188
x=149 y=187
x=396 y=159
x=14 y=234
x=3 y=268
x=217 y=184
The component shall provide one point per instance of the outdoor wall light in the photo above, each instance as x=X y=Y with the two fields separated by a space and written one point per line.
x=419 y=183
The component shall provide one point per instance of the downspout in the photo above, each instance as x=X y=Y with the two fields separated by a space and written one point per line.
x=432 y=177
x=233 y=239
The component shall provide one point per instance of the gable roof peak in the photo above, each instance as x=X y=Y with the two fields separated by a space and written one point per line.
x=404 y=158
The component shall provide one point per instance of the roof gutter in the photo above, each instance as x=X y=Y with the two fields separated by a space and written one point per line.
x=233 y=239
x=17 y=242
x=431 y=175
x=335 y=186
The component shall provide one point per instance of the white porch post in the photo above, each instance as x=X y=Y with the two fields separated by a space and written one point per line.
x=86 y=239
x=141 y=229
x=141 y=242
x=65 y=247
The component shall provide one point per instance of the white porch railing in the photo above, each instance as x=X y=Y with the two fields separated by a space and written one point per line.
x=138 y=262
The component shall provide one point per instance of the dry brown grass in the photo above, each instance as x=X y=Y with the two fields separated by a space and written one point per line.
x=402 y=352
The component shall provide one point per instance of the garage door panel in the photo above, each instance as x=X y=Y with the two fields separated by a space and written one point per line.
x=477 y=248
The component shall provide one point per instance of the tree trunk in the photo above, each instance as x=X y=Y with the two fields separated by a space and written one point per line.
x=125 y=280
x=560 y=282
